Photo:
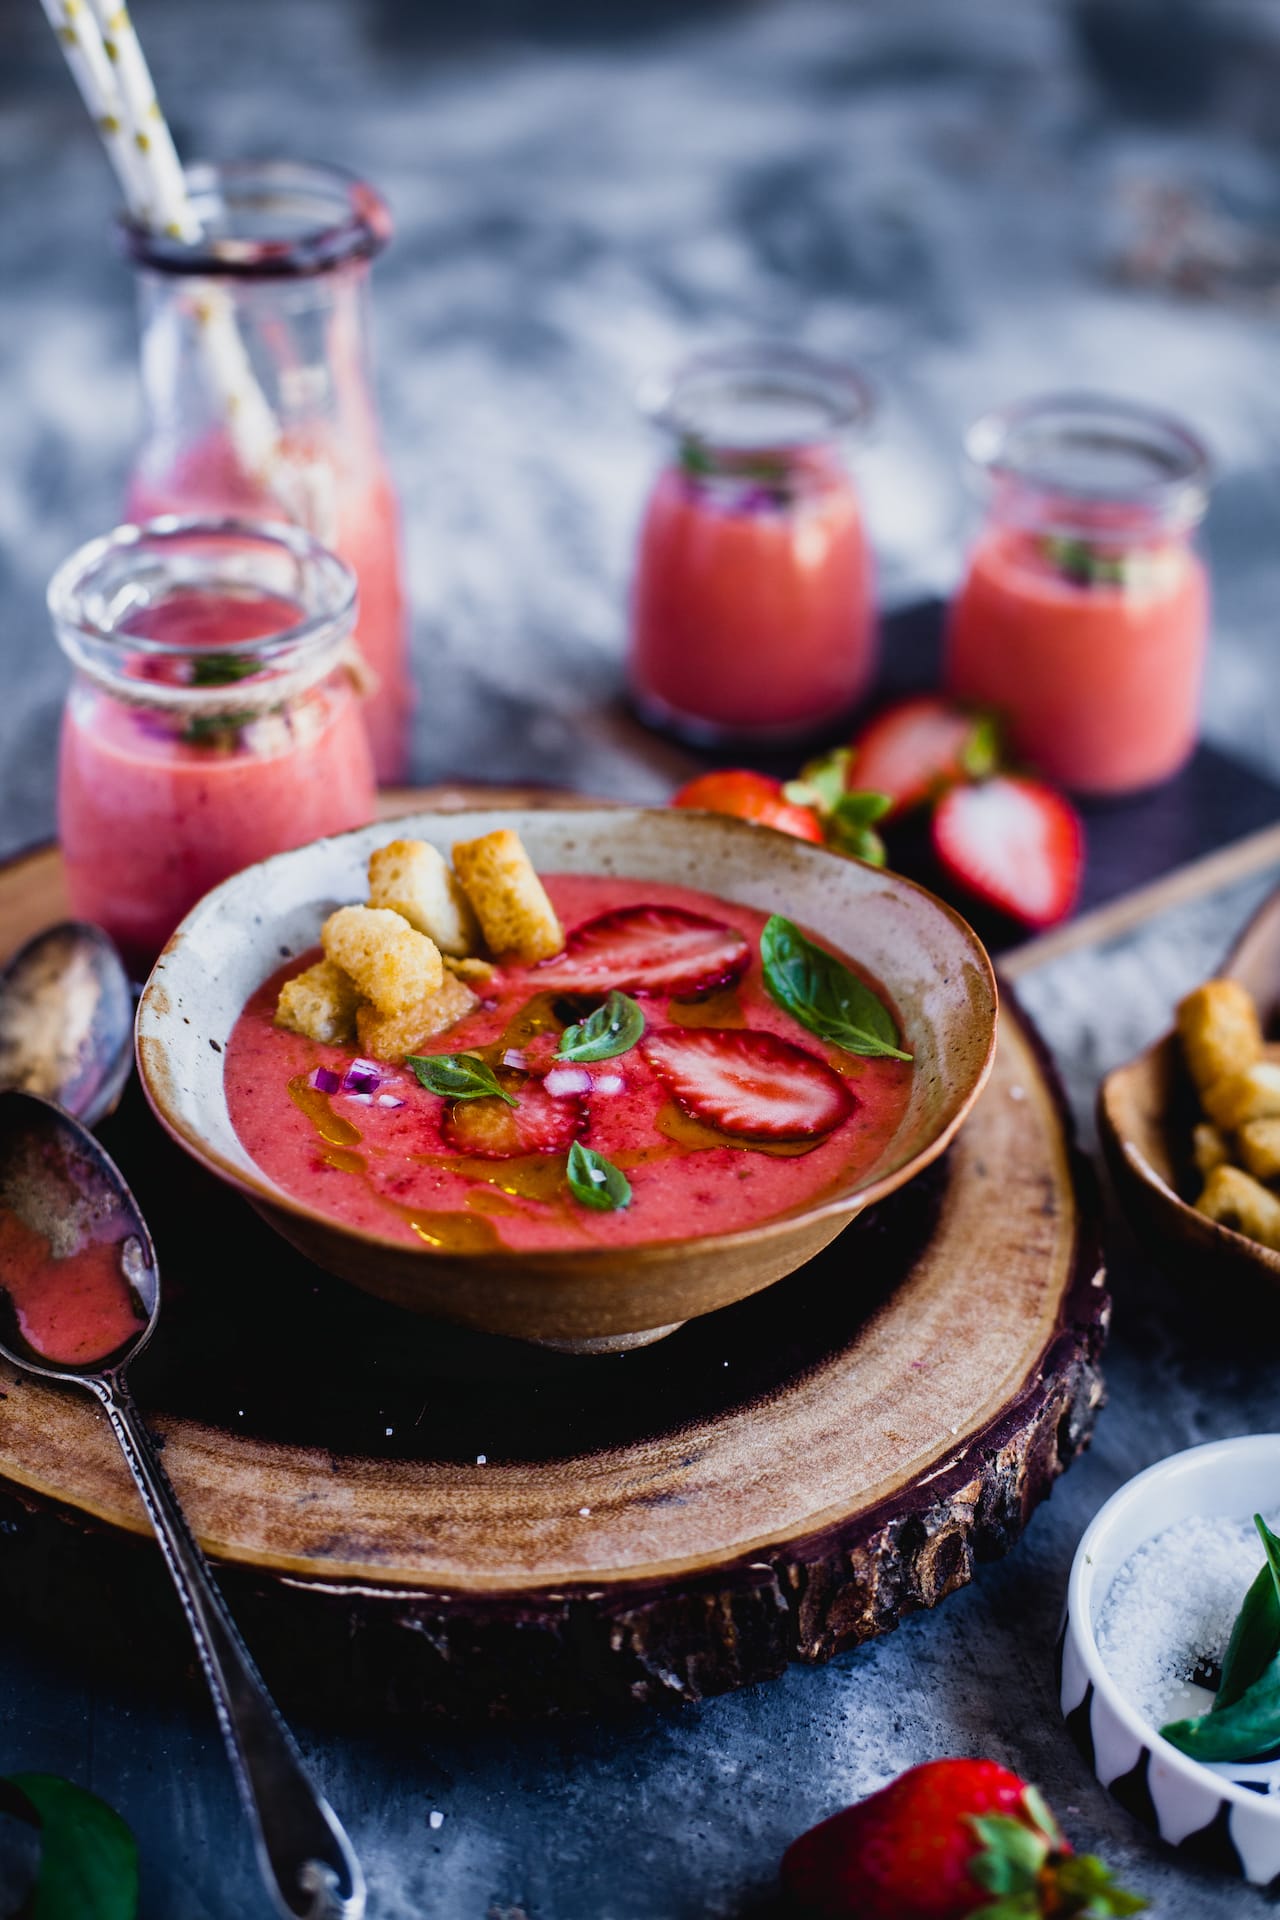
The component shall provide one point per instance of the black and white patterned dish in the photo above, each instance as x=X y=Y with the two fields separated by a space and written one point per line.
x=1225 y=1816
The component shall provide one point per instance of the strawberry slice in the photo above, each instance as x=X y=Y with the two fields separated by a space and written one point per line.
x=491 y=1130
x=750 y=796
x=919 y=747
x=649 y=950
x=747 y=1082
x=1014 y=843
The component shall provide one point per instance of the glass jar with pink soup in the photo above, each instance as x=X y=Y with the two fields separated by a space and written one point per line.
x=213 y=717
x=1084 y=615
x=257 y=387
x=752 y=615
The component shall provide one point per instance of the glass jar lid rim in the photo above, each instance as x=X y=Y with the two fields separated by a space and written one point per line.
x=349 y=220
x=836 y=395
x=1009 y=444
x=330 y=621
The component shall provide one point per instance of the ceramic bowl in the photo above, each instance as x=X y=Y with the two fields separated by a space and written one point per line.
x=1227 y=1816
x=933 y=963
x=1146 y=1111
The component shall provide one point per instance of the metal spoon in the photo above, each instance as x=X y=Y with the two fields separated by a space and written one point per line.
x=58 y=1180
x=66 y=1020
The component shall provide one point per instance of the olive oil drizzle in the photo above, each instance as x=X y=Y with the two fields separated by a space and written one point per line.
x=497 y=1187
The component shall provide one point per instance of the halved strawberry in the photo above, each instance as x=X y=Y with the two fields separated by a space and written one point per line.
x=750 y=796
x=1014 y=843
x=649 y=950
x=919 y=747
x=491 y=1130
x=748 y=1082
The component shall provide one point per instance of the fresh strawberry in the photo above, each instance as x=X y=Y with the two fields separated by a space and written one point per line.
x=747 y=1082
x=1014 y=843
x=491 y=1130
x=750 y=796
x=649 y=950
x=950 y=1840
x=919 y=747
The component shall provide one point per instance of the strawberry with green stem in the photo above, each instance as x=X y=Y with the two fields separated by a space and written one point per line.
x=950 y=1840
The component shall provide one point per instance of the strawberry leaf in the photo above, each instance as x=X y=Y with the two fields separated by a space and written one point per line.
x=984 y=749
x=88 y=1858
x=823 y=995
x=1085 y=1890
x=1012 y=1854
x=1040 y=1813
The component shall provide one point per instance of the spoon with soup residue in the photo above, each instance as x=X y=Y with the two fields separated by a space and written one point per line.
x=66 y=1020
x=79 y=1299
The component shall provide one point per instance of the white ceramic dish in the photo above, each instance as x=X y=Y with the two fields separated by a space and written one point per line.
x=1227 y=1816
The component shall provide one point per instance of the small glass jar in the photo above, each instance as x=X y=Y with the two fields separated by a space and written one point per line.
x=752 y=611
x=1084 y=616
x=212 y=720
x=256 y=384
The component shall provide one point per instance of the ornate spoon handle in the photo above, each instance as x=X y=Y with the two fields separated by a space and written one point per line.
x=306 y=1859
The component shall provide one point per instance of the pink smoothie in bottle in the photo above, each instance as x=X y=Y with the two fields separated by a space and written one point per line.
x=752 y=609
x=259 y=400
x=1084 y=616
x=211 y=721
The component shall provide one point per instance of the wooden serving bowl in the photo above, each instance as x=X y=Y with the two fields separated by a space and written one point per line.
x=931 y=961
x=1146 y=1111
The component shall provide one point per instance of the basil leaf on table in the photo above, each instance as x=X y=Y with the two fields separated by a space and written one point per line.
x=457 y=1076
x=1255 y=1638
x=612 y=1029
x=823 y=995
x=88 y=1857
x=595 y=1181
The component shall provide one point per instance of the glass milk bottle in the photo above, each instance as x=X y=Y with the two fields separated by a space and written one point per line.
x=212 y=718
x=255 y=374
x=1083 y=618
x=753 y=617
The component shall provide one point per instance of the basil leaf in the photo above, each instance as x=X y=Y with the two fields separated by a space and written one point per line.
x=820 y=992
x=1084 y=565
x=612 y=1029
x=1255 y=1637
x=1249 y=1729
x=595 y=1181
x=88 y=1858
x=457 y=1076
x=223 y=669
x=221 y=730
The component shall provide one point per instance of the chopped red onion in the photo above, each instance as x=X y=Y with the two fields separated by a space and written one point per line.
x=514 y=1058
x=563 y=1081
x=325 y=1080
x=389 y=1100
x=362 y=1076
x=362 y=1099
x=608 y=1083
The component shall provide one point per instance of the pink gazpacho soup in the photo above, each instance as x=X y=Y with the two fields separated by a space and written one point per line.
x=724 y=1112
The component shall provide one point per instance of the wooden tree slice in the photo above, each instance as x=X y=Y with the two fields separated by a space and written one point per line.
x=432 y=1521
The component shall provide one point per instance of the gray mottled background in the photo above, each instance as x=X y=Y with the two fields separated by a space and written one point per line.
x=976 y=200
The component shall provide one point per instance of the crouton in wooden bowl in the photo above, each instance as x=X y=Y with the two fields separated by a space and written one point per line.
x=578 y=1113
x=1191 y=1127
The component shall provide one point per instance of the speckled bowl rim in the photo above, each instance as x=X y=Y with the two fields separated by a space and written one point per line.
x=849 y=1201
x=1115 y=1518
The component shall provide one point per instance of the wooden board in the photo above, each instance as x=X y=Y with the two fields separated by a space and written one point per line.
x=436 y=1522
